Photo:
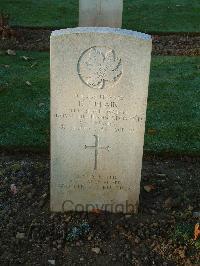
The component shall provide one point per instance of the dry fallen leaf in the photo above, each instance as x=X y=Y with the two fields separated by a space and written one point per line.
x=156 y=37
x=28 y=83
x=151 y=131
x=10 y=52
x=96 y=250
x=161 y=175
x=33 y=65
x=41 y=104
x=13 y=189
x=26 y=58
x=97 y=211
x=2 y=89
x=52 y=262
x=6 y=66
x=190 y=208
x=196 y=231
x=20 y=235
x=3 y=86
x=149 y=188
x=168 y=203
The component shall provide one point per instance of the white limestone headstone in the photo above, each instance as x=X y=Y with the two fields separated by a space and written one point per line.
x=100 y=13
x=99 y=87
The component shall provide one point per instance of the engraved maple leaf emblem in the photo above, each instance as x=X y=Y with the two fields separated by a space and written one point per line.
x=99 y=65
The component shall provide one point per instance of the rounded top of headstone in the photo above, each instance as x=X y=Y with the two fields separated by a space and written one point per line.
x=105 y=30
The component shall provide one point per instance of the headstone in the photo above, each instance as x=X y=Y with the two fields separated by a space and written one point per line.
x=99 y=87
x=100 y=13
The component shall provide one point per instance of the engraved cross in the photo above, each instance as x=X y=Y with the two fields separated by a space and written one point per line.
x=99 y=9
x=96 y=148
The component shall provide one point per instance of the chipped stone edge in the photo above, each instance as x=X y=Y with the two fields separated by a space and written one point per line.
x=104 y=30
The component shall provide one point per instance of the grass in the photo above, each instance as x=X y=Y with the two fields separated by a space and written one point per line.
x=142 y=15
x=24 y=109
x=173 y=106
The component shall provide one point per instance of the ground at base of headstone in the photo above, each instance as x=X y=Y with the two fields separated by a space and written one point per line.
x=166 y=44
x=162 y=233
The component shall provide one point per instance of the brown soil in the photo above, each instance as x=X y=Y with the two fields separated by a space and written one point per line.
x=31 y=235
x=38 y=39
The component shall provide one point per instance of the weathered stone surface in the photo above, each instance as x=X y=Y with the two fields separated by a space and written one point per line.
x=100 y=13
x=99 y=87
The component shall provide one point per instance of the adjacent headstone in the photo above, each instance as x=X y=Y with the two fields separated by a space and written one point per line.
x=100 y=13
x=99 y=87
